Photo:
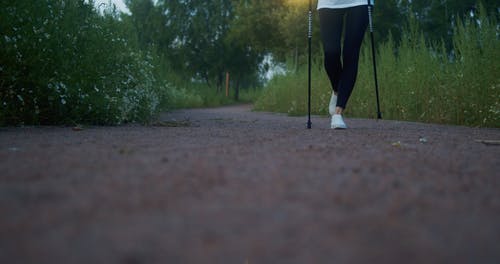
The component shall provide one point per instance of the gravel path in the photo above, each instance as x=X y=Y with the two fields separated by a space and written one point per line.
x=228 y=185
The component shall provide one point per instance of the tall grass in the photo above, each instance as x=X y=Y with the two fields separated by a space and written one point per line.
x=288 y=93
x=419 y=81
x=196 y=95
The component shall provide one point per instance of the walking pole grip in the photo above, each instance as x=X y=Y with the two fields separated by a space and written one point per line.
x=370 y=15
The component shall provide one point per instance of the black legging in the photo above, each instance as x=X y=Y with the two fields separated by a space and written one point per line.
x=343 y=73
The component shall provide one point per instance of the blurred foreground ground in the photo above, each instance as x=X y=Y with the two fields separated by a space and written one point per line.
x=228 y=185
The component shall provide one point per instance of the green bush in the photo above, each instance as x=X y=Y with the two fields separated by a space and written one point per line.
x=185 y=98
x=250 y=95
x=198 y=94
x=418 y=81
x=63 y=63
x=288 y=93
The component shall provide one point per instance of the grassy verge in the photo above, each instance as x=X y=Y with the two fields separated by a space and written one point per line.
x=196 y=95
x=418 y=81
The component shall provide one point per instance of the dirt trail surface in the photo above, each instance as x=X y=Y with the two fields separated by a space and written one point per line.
x=228 y=185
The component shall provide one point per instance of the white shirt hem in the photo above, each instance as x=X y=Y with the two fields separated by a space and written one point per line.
x=339 y=6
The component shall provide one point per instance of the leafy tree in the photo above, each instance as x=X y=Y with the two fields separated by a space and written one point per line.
x=438 y=17
x=198 y=29
x=387 y=18
x=146 y=19
x=253 y=33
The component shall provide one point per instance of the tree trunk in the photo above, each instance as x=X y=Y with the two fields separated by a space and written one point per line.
x=237 y=89
x=220 y=82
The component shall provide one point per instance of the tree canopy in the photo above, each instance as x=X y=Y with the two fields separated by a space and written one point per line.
x=201 y=40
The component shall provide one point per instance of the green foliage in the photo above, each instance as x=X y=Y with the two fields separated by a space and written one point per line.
x=185 y=98
x=418 y=81
x=64 y=63
x=288 y=93
x=195 y=39
x=195 y=95
x=437 y=18
x=476 y=70
x=250 y=95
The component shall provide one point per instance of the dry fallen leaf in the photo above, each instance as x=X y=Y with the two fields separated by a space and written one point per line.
x=489 y=142
x=78 y=128
x=397 y=144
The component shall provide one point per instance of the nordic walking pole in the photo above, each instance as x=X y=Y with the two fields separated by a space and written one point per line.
x=370 y=19
x=309 y=37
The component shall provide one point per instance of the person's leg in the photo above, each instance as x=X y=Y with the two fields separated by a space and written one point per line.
x=355 y=27
x=331 y=24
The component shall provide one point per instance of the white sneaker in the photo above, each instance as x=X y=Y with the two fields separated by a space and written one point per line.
x=333 y=104
x=338 y=122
